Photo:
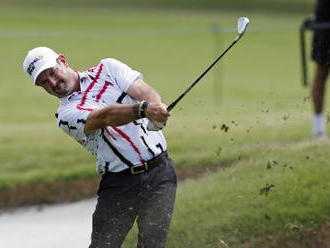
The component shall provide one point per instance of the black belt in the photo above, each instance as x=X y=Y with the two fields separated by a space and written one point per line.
x=143 y=167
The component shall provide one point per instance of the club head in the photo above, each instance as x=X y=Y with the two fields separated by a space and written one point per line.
x=242 y=24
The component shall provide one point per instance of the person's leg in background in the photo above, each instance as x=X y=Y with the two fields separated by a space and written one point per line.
x=318 y=93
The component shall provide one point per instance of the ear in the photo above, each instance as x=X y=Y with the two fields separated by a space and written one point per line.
x=61 y=59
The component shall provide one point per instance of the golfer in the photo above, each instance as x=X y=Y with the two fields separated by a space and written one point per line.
x=106 y=109
x=321 y=56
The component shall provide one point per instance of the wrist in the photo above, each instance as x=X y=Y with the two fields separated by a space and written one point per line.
x=143 y=108
x=136 y=107
x=139 y=109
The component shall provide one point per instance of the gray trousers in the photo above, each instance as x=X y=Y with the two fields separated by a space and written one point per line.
x=147 y=198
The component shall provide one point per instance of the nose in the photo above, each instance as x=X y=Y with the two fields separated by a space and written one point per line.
x=52 y=81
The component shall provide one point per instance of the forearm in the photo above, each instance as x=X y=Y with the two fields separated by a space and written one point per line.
x=142 y=91
x=151 y=96
x=114 y=115
x=121 y=114
x=156 y=110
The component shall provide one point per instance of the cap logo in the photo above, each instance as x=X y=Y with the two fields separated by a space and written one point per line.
x=32 y=67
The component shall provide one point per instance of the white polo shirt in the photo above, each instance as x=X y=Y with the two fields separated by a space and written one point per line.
x=115 y=146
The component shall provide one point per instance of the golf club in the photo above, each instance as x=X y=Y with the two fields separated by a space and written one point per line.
x=242 y=24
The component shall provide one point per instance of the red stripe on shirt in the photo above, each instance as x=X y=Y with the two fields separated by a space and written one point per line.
x=130 y=141
x=87 y=109
x=110 y=134
x=83 y=100
x=105 y=86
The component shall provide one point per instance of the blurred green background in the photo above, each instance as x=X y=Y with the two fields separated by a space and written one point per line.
x=271 y=5
x=255 y=90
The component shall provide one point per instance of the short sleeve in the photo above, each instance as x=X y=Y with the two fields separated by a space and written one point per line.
x=72 y=121
x=121 y=73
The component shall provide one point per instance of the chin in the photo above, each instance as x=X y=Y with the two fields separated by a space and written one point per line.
x=65 y=92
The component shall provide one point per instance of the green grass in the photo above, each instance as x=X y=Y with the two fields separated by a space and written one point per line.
x=255 y=90
x=229 y=205
x=259 y=5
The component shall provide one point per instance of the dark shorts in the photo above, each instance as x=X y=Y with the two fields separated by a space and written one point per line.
x=321 y=46
x=147 y=198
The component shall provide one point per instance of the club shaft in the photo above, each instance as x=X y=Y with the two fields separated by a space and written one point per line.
x=172 y=105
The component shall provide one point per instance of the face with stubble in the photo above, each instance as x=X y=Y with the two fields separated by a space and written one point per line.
x=59 y=80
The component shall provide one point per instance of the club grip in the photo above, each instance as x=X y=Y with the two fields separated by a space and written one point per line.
x=155 y=126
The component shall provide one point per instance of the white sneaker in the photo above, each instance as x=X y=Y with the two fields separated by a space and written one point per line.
x=318 y=130
x=321 y=135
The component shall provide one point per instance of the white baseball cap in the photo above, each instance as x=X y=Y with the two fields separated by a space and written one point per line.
x=37 y=60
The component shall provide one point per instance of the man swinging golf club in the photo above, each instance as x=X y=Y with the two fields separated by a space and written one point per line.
x=105 y=109
x=115 y=115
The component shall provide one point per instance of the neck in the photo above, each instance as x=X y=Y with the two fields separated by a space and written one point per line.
x=77 y=81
